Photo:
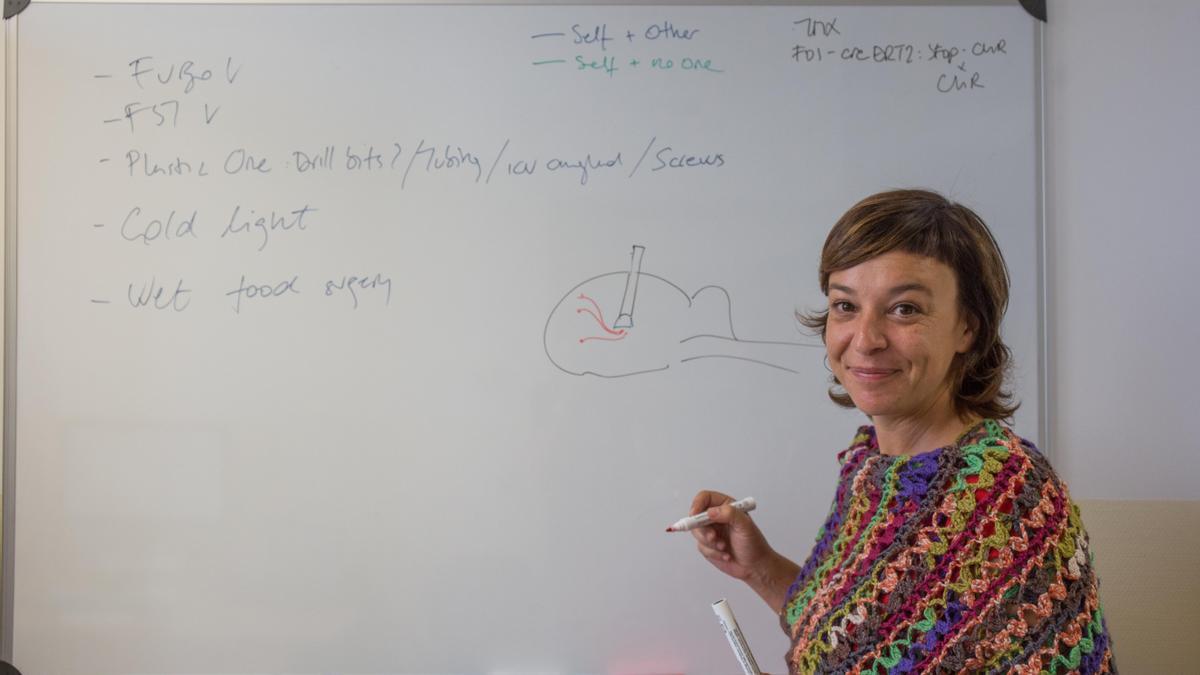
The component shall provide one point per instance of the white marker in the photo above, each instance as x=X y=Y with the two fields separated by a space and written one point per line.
x=734 y=635
x=701 y=519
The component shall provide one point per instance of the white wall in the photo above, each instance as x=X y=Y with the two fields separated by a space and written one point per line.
x=1122 y=146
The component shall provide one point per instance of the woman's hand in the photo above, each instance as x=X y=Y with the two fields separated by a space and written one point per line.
x=735 y=545
x=732 y=543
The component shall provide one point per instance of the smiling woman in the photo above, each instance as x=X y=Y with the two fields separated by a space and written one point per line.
x=917 y=286
x=951 y=545
x=893 y=329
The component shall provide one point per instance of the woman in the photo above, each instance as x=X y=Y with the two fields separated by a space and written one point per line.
x=951 y=545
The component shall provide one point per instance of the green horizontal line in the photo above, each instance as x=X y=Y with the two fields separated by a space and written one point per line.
x=542 y=63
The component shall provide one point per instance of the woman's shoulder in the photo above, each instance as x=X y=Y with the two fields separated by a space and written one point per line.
x=988 y=452
x=987 y=434
x=864 y=443
x=991 y=442
x=992 y=470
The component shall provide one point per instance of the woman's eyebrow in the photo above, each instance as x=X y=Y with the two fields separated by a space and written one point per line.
x=912 y=286
x=895 y=290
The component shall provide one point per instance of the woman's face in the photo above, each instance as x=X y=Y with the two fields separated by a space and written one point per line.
x=893 y=330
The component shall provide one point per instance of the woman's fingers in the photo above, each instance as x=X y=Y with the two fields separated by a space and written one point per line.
x=716 y=537
x=713 y=541
x=713 y=536
x=706 y=499
x=713 y=553
x=708 y=536
x=724 y=515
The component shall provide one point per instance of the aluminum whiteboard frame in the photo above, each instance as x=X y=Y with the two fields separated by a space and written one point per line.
x=7 y=527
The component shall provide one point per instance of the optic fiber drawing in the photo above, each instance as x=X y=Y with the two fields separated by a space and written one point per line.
x=625 y=318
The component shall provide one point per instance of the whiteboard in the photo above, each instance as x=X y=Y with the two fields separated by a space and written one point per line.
x=377 y=338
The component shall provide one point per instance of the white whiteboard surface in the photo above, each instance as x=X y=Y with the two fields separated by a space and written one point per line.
x=466 y=464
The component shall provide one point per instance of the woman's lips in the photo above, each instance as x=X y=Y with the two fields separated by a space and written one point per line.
x=872 y=374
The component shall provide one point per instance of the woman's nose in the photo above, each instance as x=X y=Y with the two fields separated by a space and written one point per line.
x=869 y=335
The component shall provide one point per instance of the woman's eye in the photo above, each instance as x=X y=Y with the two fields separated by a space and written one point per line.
x=841 y=306
x=905 y=309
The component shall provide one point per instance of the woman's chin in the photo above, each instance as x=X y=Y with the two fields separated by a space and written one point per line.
x=872 y=403
x=869 y=407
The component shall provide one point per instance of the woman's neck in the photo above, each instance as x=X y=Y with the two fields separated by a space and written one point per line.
x=914 y=435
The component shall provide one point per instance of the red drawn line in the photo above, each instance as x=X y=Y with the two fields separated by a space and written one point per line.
x=585 y=310
x=598 y=315
x=594 y=303
x=618 y=334
x=601 y=337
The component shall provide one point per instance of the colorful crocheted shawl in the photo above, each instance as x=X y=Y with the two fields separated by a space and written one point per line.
x=969 y=558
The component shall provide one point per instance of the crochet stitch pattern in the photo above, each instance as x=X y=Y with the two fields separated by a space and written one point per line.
x=966 y=559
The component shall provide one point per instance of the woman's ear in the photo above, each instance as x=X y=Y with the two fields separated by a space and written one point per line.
x=970 y=328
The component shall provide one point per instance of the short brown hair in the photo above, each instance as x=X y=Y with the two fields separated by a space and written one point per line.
x=927 y=224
